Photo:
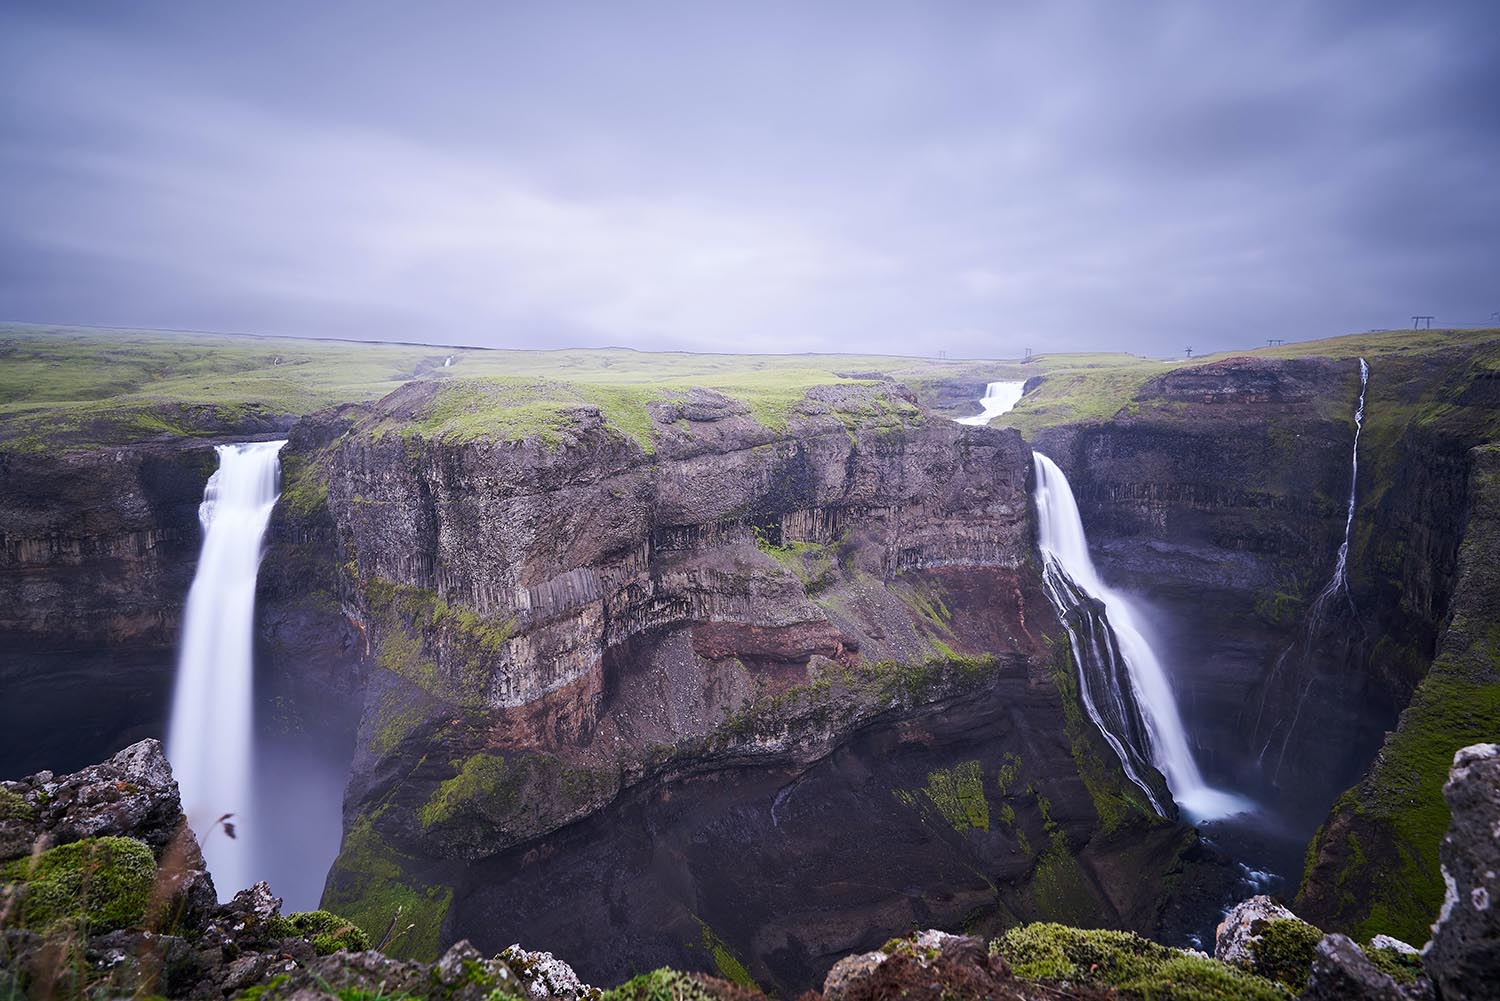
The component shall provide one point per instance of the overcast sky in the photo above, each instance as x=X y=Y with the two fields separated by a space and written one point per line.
x=906 y=177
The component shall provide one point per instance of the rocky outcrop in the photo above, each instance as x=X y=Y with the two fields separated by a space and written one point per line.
x=107 y=930
x=1463 y=957
x=1243 y=926
x=1342 y=972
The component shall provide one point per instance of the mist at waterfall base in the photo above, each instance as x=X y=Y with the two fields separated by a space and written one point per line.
x=276 y=794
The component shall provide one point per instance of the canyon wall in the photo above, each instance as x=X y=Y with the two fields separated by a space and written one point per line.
x=726 y=695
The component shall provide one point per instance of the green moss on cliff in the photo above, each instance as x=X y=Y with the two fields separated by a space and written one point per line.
x=522 y=794
x=1116 y=799
x=725 y=961
x=481 y=777
x=371 y=886
x=304 y=485
x=413 y=622
x=103 y=883
x=958 y=794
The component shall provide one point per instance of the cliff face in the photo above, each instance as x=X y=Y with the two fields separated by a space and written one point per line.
x=96 y=553
x=753 y=697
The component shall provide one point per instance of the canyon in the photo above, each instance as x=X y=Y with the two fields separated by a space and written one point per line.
x=743 y=693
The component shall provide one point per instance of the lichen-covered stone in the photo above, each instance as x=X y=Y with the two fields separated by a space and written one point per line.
x=1463 y=958
x=1243 y=925
x=548 y=978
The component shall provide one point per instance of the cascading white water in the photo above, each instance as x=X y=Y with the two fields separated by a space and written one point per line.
x=1061 y=537
x=999 y=398
x=209 y=740
x=1340 y=579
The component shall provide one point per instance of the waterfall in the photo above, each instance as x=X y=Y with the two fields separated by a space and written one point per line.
x=999 y=397
x=1122 y=683
x=209 y=740
x=1340 y=579
x=1317 y=615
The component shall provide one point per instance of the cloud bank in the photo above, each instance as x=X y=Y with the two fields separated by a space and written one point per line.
x=975 y=178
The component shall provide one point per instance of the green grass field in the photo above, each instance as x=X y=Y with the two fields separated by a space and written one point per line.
x=69 y=387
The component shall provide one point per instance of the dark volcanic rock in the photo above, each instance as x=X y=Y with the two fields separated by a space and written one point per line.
x=1341 y=972
x=131 y=795
x=1463 y=958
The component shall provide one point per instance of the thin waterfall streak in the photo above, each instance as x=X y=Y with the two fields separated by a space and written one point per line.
x=209 y=737
x=1317 y=616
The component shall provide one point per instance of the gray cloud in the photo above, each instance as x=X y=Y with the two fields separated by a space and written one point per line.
x=899 y=178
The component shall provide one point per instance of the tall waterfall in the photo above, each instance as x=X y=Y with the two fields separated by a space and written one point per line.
x=999 y=398
x=209 y=741
x=1122 y=683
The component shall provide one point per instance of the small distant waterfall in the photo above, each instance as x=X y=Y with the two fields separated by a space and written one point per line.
x=209 y=740
x=1122 y=683
x=999 y=398
x=1340 y=579
x=1299 y=653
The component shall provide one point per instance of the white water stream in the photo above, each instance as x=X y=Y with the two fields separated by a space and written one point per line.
x=1340 y=579
x=999 y=398
x=1061 y=537
x=209 y=740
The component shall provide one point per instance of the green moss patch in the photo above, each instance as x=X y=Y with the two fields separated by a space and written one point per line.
x=1123 y=960
x=1284 y=951
x=958 y=794
x=102 y=883
x=664 y=984
x=13 y=806
x=1402 y=967
x=410 y=617
x=328 y=932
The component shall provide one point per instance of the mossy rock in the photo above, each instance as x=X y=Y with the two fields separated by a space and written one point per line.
x=100 y=883
x=1098 y=958
x=326 y=931
x=1284 y=951
x=665 y=984
x=1402 y=967
x=13 y=806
